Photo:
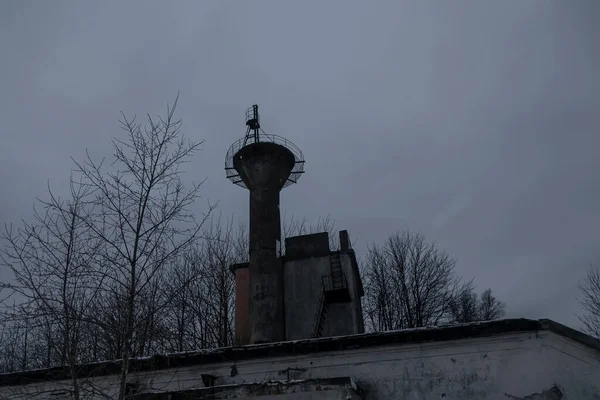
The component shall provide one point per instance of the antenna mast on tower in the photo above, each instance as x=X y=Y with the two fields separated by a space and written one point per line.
x=253 y=124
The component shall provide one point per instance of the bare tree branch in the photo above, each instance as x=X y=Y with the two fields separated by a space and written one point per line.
x=409 y=283
x=590 y=301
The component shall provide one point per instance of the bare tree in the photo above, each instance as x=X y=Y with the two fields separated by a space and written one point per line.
x=490 y=308
x=293 y=226
x=187 y=305
x=202 y=315
x=468 y=307
x=15 y=339
x=184 y=326
x=141 y=212
x=227 y=246
x=54 y=262
x=465 y=307
x=590 y=301
x=382 y=301
x=9 y=346
x=409 y=283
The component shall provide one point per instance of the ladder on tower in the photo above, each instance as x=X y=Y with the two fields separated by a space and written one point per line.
x=335 y=284
x=334 y=290
x=337 y=278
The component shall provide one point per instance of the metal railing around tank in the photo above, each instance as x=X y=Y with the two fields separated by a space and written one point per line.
x=298 y=169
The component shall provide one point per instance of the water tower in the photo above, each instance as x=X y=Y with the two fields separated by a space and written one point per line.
x=264 y=164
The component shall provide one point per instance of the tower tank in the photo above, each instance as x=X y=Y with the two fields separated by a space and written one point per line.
x=264 y=164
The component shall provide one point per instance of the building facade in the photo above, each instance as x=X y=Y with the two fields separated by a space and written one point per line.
x=322 y=290
x=497 y=360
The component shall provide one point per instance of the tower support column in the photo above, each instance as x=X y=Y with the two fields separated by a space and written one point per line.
x=267 y=317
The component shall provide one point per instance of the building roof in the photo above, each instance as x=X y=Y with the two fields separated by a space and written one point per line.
x=306 y=346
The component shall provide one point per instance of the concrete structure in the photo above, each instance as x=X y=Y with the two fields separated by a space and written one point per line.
x=264 y=168
x=498 y=360
x=322 y=290
x=311 y=291
x=264 y=164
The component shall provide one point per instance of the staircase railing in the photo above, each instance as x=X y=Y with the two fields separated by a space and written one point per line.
x=334 y=281
x=337 y=277
x=320 y=316
x=331 y=283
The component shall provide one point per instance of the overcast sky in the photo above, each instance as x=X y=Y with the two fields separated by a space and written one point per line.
x=472 y=122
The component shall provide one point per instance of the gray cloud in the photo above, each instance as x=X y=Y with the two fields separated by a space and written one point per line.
x=474 y=123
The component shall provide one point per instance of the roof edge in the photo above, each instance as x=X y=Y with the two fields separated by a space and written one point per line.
x=570 y=333
x=305 y=346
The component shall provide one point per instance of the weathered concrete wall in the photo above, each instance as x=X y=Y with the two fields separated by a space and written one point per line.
x=507 y=366
x=339 y=320
x=313 y=245
x=265 y=275
x=302 y=290
x=321 y=389
x=242 y=305
x=355 y=310
x=495 y=368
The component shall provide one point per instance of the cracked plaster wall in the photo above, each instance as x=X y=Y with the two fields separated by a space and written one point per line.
x=504 y=367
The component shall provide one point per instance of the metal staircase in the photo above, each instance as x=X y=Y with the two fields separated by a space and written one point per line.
x=335 y=285
x=336 y=271
x=320 y=317
x=334 y=290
